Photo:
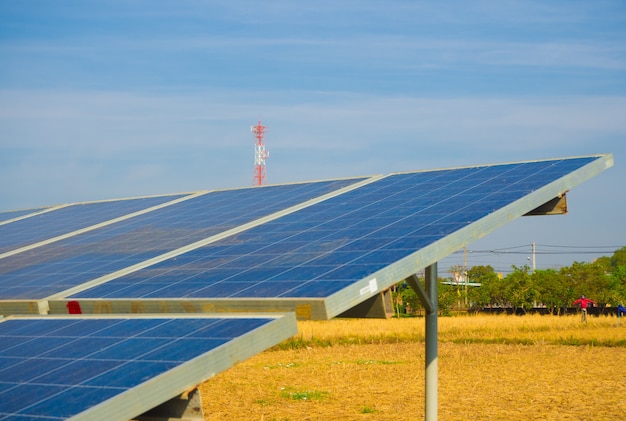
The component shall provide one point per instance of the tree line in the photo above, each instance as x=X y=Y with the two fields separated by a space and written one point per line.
x=603 y=280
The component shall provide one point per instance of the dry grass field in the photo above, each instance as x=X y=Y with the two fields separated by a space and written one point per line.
x=490 y=368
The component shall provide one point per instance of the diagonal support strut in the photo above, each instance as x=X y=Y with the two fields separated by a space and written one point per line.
x=415 y=284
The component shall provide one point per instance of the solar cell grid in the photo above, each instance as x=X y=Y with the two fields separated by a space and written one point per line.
x=70 y=218
x=58 y=368
x=10 y=215
x=320 y=250
x=70 y=262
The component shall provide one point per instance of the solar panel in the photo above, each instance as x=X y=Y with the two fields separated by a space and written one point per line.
x=66 y=219
x=116 y=368
x=35 y=274
x=9 y=216
x=326 y=258
x=317 y=249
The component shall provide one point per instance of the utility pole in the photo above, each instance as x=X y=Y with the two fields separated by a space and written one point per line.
x=465 y=275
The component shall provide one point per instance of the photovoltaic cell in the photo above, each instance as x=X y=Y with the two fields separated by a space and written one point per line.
x=57 y=368
x=70 y=218
x=9 y=215
x=67 y=263
x=322 y=249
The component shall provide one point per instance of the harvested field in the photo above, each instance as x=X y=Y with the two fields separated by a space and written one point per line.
x=490 y=368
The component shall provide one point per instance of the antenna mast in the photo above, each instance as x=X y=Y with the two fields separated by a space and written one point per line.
x=260 y=154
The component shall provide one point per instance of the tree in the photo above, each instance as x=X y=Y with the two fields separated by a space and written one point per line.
x=589 y=279
x=603 y=280
x=495 y=289
x=446 y=297
x=552 y=288
x=407 y=299
x=520 y=290
x=617 y=286
x=605 y=262
x=488 y=279
x=619 y=258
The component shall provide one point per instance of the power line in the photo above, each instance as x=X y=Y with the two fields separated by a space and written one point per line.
x=545 y=252
x=606 y=249
x=549 y=245
x=503 y=258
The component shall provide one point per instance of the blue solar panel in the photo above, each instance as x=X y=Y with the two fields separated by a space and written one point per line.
x=9 y=215
x=70 y=218
x=55 y=267
x=53 y=369
x=322 y=249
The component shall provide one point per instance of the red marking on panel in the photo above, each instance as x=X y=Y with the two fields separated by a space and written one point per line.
x=73 y=307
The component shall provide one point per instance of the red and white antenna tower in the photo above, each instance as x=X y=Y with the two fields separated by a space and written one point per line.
x=260 y=154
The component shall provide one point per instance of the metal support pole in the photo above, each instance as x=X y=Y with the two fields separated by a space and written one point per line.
x=432 y=381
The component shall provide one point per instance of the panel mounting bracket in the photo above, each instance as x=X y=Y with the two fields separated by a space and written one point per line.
x=185 y=407
x=556 y=206
x=379 y=306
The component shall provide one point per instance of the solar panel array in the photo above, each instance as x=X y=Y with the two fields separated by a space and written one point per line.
x=317 y=249
x=319 y=259
x=327 y=247
x=83 y=256
x=54 y=368
x=40 y=226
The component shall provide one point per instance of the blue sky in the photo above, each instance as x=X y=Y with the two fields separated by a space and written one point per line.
x=113 y=99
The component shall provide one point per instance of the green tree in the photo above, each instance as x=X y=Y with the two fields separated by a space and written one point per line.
x=552 y=287
x=409 y=299
x=447 y=296
x=619 y=258
x=603 y=280
x=495 y=289
x=605 y=262
x=411 y=304
x=617 y=286
x=520 y=290
x=589 y=279
x=488 y=279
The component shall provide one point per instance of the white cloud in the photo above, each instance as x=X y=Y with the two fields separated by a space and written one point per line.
x=109 y=122
x=132 y=143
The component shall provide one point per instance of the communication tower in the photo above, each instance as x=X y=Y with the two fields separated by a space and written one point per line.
x=260 y=154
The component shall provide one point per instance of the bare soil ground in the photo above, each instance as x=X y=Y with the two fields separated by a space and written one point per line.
x=384 y=380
